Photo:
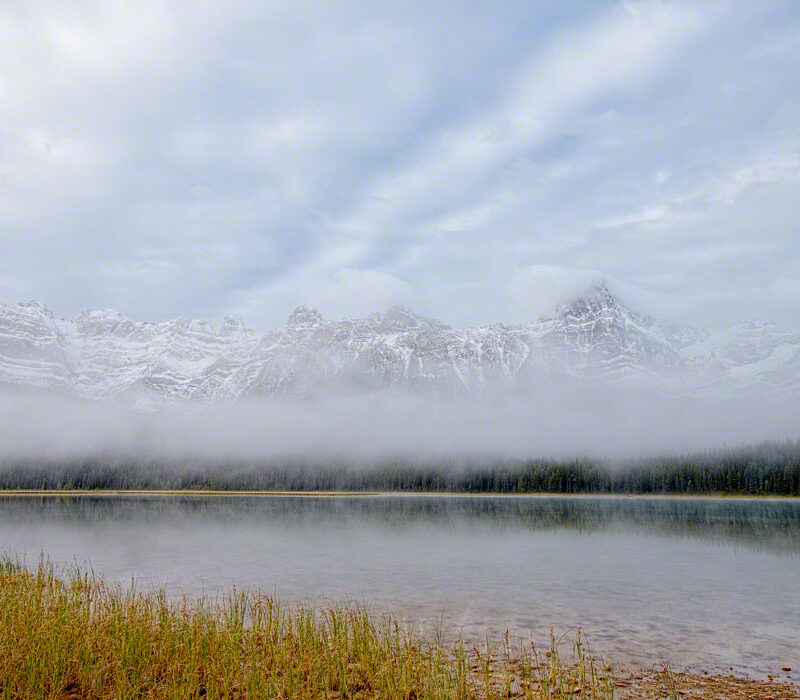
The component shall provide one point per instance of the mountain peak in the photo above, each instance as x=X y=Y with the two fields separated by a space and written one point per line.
x=102 y=314
x=100 y=321
x=230 y=325
x=597 y=297
x=600 y=292
x=35 y=306
x=305 y=317
x=400 y=318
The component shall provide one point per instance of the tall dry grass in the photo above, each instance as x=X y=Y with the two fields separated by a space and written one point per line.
x=73 y=636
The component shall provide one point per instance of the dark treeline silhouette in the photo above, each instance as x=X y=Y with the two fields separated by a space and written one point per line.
x=767 y=468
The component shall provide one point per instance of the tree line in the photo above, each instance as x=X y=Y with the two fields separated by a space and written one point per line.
x=766 y=468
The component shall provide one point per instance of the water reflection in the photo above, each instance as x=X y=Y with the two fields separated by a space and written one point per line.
x=707 y=582
x=760 y=524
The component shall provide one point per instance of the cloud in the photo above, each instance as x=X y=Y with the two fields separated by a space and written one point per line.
x=649 y=215
x=781 y=167
x=786 y=290
x=204 y=159
x=342 y=291
x=571 y=70
x=538 y=289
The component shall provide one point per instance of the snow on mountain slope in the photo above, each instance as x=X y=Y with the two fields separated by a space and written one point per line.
x=104 y=354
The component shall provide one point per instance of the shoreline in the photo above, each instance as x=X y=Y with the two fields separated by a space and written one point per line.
x=379 y=494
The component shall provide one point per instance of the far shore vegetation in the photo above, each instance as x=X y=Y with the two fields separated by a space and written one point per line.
x=71 y=635
x=766 y=469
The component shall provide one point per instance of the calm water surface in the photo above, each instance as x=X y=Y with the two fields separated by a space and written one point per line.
x=707 y=583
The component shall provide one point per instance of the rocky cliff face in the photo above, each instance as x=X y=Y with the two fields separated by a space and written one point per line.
x=104 y=354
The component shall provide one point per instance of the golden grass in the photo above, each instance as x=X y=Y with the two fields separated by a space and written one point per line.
x=73 y=636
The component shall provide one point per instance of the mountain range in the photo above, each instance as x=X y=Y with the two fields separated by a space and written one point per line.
x=103 y=354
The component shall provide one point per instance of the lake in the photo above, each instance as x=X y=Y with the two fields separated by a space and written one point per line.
x=709 y=583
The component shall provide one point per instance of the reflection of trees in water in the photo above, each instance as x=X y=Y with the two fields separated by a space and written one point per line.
x=760 y=524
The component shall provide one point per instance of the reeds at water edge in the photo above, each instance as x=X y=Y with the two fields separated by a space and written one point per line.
x=74 y=636
x=71 y=635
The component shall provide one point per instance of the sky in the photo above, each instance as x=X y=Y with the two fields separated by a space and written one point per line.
x=477 y=162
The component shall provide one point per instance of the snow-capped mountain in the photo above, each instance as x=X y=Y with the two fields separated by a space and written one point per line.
x=104 y=354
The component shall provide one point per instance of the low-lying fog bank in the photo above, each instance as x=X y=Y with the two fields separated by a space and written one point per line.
x=566 y=440
x=561 y=424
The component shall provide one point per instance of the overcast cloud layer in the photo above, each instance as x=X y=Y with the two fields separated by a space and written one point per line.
x=477 y=163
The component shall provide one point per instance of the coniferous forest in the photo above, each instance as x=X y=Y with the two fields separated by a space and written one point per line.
x=767 y=468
